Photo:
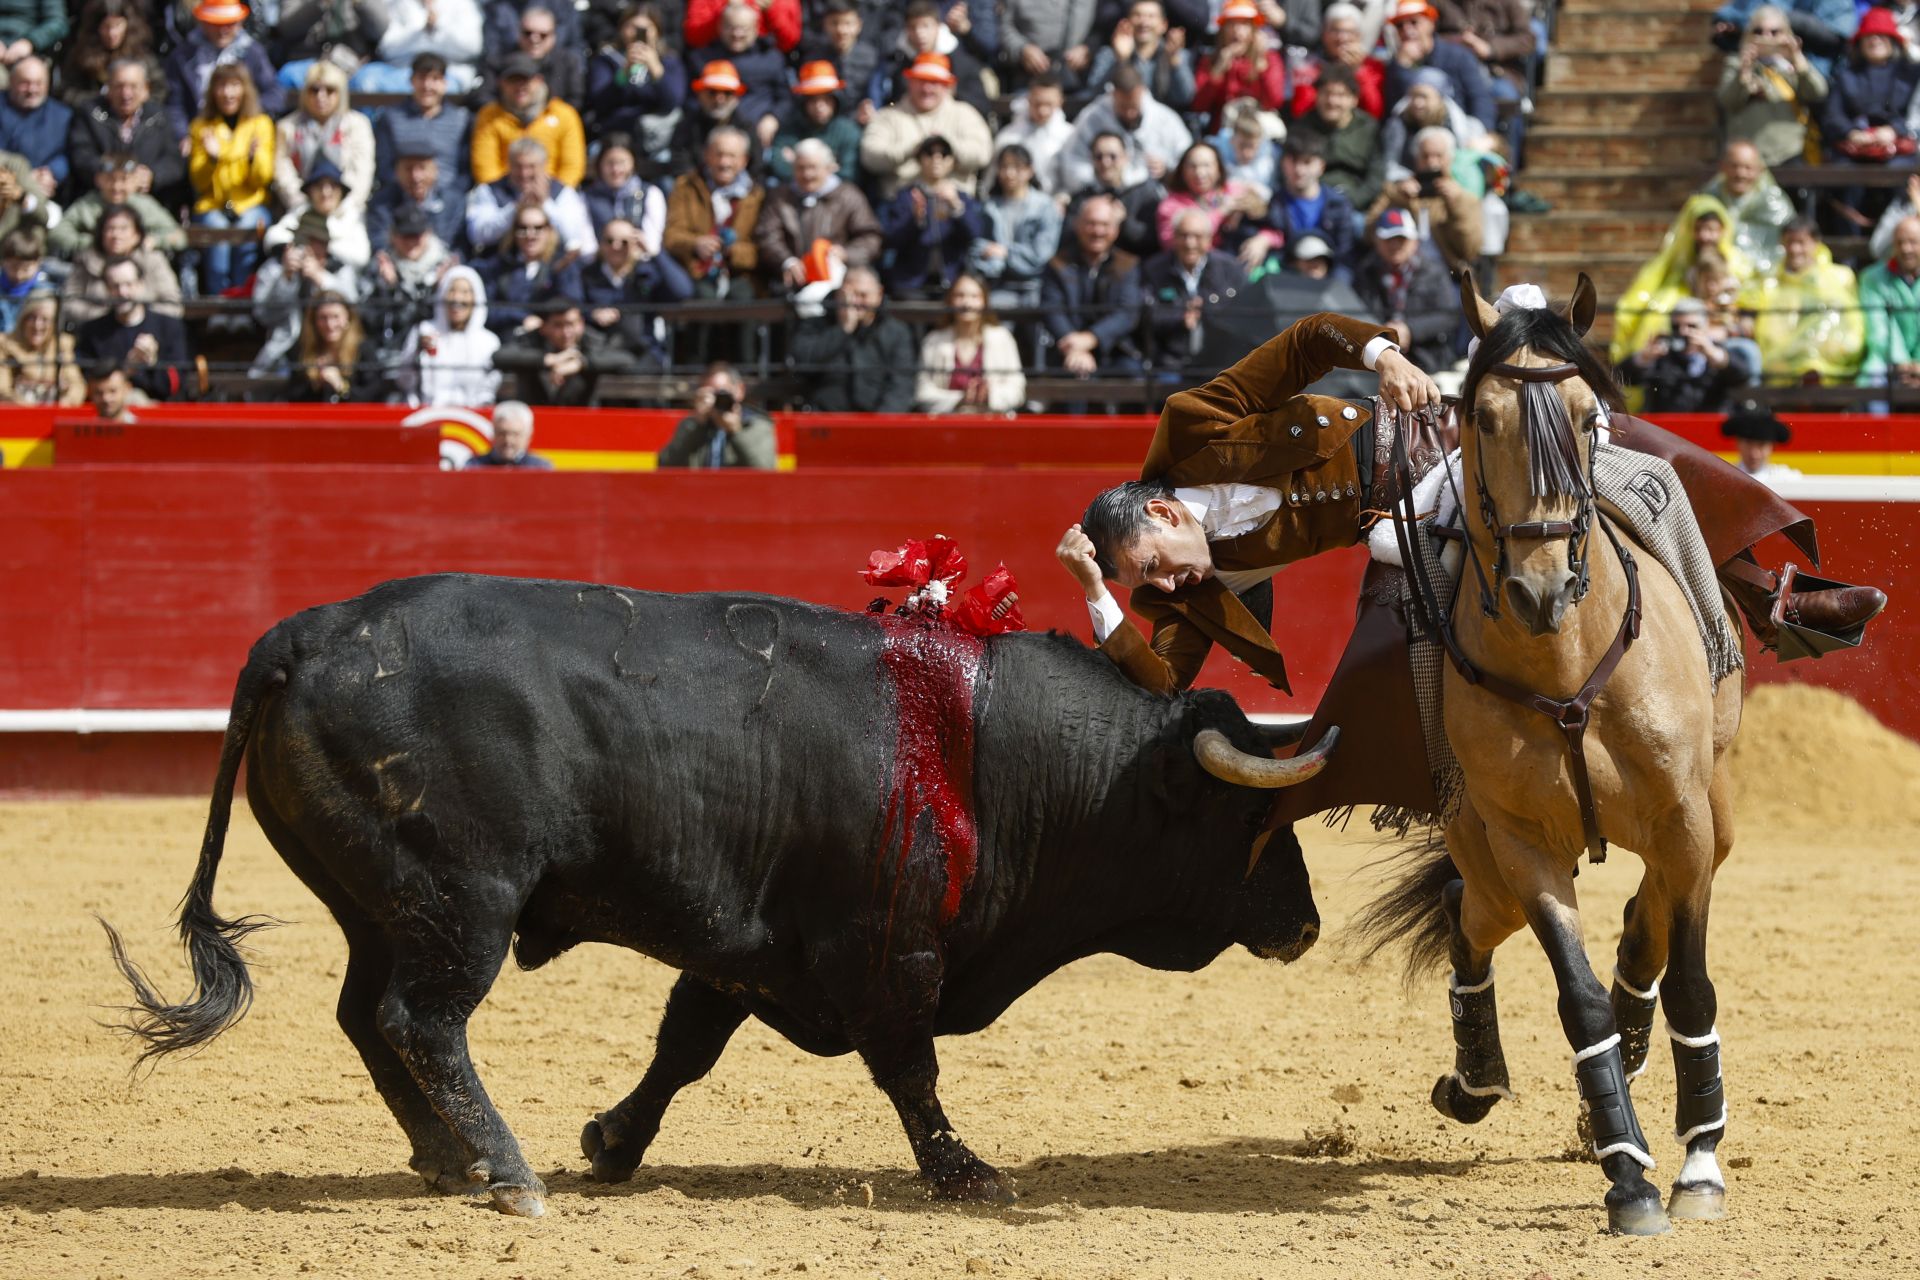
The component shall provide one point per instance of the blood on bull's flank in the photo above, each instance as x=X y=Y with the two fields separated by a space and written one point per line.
x=932 y=670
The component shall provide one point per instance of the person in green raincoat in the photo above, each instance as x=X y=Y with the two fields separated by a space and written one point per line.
x=1890 y=297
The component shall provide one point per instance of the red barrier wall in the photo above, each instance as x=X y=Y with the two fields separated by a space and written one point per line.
x=131 y=587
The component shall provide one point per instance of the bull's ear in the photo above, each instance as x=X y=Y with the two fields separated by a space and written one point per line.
x=1583 y=305
x=1481 y=315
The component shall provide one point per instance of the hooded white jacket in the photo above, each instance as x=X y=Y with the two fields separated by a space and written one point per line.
x=460 y=373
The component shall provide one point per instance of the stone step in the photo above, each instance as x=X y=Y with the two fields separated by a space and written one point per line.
x=1573 y=189
x=1609 y=108
x=1556 y=272
x=1632 y=30
x=1569 y=8
x=1560 y=147
x=1613 y=231
x=1683 y=68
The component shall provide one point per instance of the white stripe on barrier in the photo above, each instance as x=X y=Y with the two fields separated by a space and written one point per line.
x=1818 y=488
x=95 y=720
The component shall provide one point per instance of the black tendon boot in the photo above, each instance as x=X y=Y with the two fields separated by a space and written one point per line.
x=1633 y=1206
x=1479 y=1076
x=1633 y=1014
x=1699 y=1121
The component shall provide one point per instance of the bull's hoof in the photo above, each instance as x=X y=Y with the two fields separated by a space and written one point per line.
x=978 y=1183
x=1639 y=1214
x=448 y=1177
x=1455 y=1103
x=519 y=1202
x=1703 y=1203
x=609 y=1164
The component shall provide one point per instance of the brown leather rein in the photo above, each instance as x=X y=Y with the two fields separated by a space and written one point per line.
x=1573 y=714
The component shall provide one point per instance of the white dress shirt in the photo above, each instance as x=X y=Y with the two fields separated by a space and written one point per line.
x=1224 y=511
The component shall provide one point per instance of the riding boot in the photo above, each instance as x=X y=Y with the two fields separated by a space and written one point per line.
x=1828 y=616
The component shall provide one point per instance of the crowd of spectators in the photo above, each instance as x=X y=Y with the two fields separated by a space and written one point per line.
x=1748 y=289
x=445 y=201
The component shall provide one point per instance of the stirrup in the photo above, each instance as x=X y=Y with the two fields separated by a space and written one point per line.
x=1795 y=641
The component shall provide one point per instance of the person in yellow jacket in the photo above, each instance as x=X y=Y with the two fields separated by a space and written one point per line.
x=1641 y=313
x=526 y=109
x=1807 y=315
x=230 y=163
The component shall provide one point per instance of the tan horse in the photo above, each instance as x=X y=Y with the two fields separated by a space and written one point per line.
x=1545 y=604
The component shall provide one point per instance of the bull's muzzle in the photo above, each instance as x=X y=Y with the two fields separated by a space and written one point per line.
x=1228 y=763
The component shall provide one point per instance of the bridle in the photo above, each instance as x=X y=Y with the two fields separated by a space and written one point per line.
x=1570 y=714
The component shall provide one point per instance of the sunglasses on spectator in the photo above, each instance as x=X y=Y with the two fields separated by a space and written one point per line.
x=528 y=228
x=1769 y=31
x=621 y=244
x=534 y=34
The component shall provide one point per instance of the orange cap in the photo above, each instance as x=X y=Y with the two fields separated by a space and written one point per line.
x=931 y=66
x=817 y=78
x=722 y=76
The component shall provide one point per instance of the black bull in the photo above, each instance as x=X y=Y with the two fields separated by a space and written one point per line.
x=861 y=830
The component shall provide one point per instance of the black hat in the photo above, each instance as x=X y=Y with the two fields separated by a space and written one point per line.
x=1753 y=421
x=324 y=170
x=411 y=222
x=312 y=225
x=518 y=64
x=415 y=148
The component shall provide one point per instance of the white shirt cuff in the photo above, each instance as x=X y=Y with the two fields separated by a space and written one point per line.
x=1106 y=617
x=1371 y=352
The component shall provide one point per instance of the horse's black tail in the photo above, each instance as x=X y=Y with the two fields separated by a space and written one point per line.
x=223 y=990
x=1409 y=912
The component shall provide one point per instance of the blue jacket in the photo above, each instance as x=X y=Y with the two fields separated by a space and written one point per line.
x=1335 y=225
x=1104 y=302
x=912 y=241
x=446 y=213
x=615 y=104
x=448 y=135
x=40 y=136
x=1861 y=97
x=1472 y=89
x=1031 y=232
x=650 y=283
x=511 y=292
x=192 y=62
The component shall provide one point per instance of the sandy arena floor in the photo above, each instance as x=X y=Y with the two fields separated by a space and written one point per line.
x=1250 y=1120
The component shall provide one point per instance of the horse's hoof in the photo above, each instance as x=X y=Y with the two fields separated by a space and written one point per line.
x=609 y=1164
x=519 y=1202
x=1704 y=1203
x=1455 y=1103
x=1637 y=1218
x=980 y=1183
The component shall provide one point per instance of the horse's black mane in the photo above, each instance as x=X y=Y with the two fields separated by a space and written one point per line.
x=1553 y=447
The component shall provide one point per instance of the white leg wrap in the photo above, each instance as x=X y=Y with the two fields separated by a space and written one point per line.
x=1631 y=990
x=1453 y=983
x=1595 y=1050
x=1719 y=1122
x=1640 y=1157
x=1694 y=1042
x=1482 y=1090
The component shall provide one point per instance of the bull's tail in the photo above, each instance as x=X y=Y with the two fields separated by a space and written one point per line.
x=222 y=988
x=1409 y=912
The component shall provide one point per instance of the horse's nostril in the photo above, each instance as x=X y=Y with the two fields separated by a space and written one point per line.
x=1309 y=935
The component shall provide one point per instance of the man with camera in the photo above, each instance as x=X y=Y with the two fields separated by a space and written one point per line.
x=1686 y=370
x=722 y=431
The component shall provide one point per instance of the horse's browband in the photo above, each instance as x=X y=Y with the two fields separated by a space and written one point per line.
x=1543 y=373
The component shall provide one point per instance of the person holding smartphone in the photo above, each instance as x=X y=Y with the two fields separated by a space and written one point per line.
x=1769 y=90
x=722 y=430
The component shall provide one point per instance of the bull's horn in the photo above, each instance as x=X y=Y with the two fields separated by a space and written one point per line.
x=1230 y=764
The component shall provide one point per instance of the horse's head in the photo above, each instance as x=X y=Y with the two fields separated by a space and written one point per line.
x=1534 y=397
